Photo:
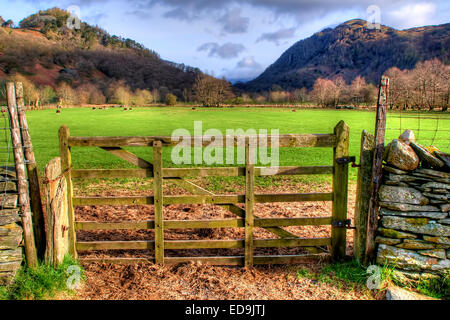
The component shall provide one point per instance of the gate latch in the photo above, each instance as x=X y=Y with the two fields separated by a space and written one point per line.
x=347 y=160
x=343 y=224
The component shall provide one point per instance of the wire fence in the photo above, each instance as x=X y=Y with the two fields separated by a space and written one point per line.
x=430 y=127
x=8 y=178
x=8 y=184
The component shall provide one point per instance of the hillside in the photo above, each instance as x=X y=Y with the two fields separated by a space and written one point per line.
x=47 y=52
x=352 y=49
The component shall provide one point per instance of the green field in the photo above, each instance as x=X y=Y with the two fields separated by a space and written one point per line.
x=44 y=126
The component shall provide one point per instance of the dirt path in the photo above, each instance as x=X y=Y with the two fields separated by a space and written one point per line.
x=197 y=281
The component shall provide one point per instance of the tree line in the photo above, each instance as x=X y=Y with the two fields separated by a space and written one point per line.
x=118 y=92
x=427 y=86
x=325 y=93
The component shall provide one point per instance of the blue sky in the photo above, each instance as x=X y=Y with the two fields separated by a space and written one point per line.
x=235 y=39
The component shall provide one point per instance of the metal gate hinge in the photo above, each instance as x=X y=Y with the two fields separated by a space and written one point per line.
x=347 y=160
x=343 y=224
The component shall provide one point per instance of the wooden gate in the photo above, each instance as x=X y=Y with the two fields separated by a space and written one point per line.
x=339 y=141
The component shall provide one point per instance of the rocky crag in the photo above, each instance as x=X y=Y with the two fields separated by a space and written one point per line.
x=352 y=49
x=10 y=231
x=414 y=226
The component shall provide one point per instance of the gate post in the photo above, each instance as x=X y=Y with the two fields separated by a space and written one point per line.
x=249 y=201
x=22 y=185
x=340 y=191
x=33 y=177
x=66 y=166
x=57 y=220
x=363 y=195
x=158 y=202
x=377 y=168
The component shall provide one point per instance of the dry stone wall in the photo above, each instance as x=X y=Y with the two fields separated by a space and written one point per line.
x=10 y=230
x=414 y=226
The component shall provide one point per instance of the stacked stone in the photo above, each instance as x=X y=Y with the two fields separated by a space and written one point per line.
x=414 y=229
x=10 y=231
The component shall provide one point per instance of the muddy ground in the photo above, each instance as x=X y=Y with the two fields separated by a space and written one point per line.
x=197 y=281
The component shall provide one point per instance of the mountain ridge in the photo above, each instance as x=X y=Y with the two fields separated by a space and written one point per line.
x=47 y=52
x=351 y=49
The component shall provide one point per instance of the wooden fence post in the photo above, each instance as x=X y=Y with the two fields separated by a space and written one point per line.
x=249 y=201
x=57 y=219
x=22 y=185
x=33 y=177
x=340 y=191
x=66 y=166
x=158 y=202
x=363 y=195
x=377 y=166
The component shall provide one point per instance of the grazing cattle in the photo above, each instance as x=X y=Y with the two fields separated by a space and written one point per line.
x=58 y=111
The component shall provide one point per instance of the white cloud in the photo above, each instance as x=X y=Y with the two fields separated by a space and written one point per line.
x=412 y=15
x=247 y=68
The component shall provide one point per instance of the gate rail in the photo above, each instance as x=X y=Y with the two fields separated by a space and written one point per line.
x=339 y=141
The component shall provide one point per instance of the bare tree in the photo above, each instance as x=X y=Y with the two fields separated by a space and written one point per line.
x=395 y=94
x=142 y=97
x=445 y=93
x=47 y=94
x=119 y=93
x=301 y=95
x=30 y=92
x=424 y=87
x=338 y=90
x=323 y=92
x=279 y=96
x=211 y=92
x=66 y=94
x=357 y=90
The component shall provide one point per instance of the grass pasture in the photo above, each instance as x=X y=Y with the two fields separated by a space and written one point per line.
x=44 y=125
